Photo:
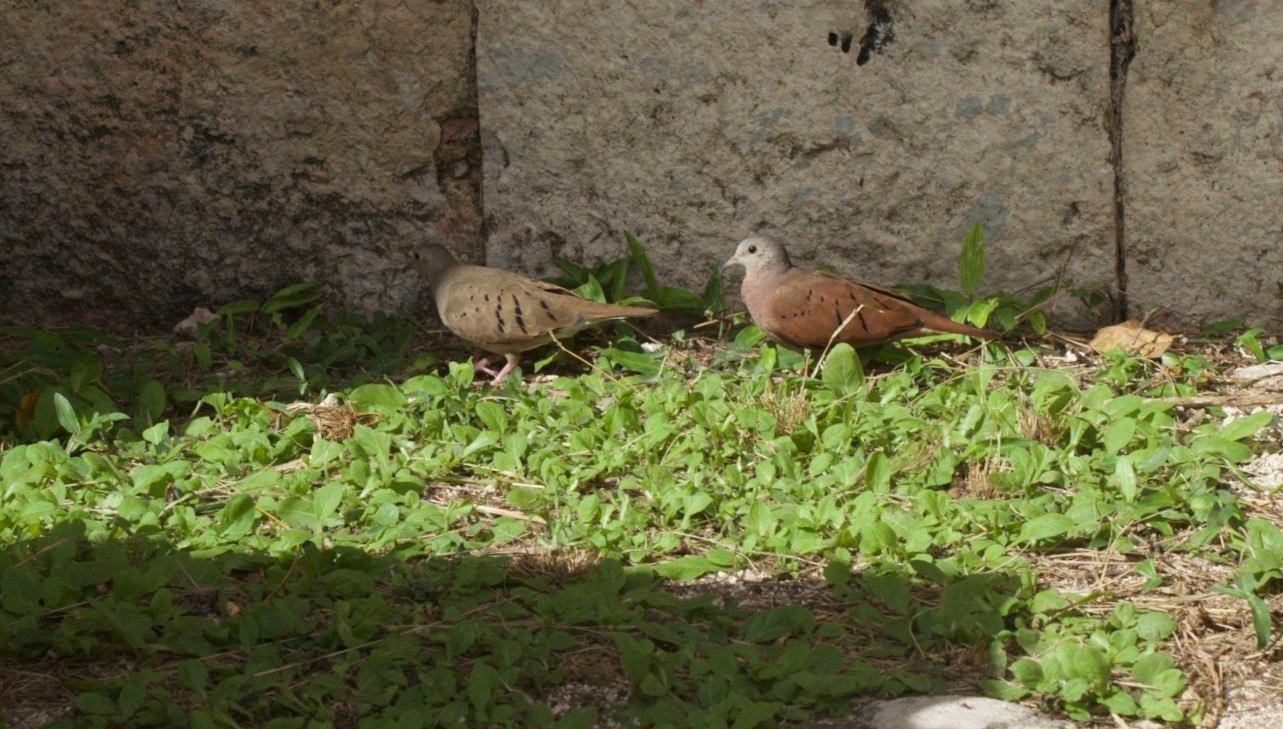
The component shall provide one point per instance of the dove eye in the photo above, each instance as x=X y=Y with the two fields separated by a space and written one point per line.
x=752 y=249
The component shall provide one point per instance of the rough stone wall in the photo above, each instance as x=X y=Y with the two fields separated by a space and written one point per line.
x=157 y=155
x=869 y=136
x=1203 y=160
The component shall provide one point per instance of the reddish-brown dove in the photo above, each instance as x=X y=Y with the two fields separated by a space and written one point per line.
x=805 y=309
x=505 y=313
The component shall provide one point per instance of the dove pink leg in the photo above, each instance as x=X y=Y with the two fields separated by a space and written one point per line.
x=512 y=362
x=483 y=364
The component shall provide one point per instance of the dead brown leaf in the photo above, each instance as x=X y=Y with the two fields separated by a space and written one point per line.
x=1131 y=337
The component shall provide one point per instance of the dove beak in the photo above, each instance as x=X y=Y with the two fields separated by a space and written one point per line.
x=730 y=262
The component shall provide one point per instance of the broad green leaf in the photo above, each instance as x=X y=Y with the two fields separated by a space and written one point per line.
x=1028 y=672
x=95 y=704
x=377 y=397
x=157 y=433
x=1118 y=434
x=1154 y=626
x=1120 y=702
x=1241 y=428
x=132 y=695
x=66 y=413
x=684 y=568
x=877 y=472
x=842 y=371
x=151 y=401
x=591 y=290
x=326 y=501
x=237 y=517
x=1046 y=527
x=771 y=625
x=1126 y=476
x=639 y=362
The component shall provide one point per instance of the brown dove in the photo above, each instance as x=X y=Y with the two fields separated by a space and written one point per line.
x=505 y=313
x=804 y=309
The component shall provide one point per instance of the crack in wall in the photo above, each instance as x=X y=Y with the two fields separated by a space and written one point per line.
x=1122 y=49
x=483 y=228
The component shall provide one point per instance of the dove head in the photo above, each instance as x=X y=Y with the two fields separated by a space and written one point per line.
x=432 y=262
x=760 y=255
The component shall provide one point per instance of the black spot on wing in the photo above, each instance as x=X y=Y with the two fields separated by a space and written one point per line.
x=521 y=323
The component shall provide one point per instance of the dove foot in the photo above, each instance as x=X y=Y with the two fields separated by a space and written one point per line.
x=498 y=378
x=483 y=364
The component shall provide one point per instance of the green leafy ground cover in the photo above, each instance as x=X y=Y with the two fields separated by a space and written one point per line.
x=193 y=530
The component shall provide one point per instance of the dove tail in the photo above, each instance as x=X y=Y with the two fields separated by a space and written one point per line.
x=595 y=310
x=937 y=323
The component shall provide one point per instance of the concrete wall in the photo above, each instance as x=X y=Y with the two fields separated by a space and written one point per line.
x=1203 y=160
x=694 y=125
x=156 y=155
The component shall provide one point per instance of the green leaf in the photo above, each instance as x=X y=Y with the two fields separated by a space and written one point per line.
x=877 y=472
x=1002 y=690
x=291 y=297
x=1154 y=626
x=377 y=397
x=1126 y=476
x=1028 y=672
x=671 y=298
x=193 y=675
x=755 y=714
x=1241 y=428
x=582 y=718
x=714 y=301
x=300 y=327
x=297 y=369
x=971 y=261
x=204 y=359
x=237 y=517
x=771 y=625
x=843 y=374
x=326 y=501
x=1118 y=434
x=591 y=290
x=1120 y=702
x=157 y=433
x=95 y=704
x=151 y=401
x=66 y=413
x=1262 y=622
x=132 y=695
x=642 y=261
x=1046 y=527
x=685 y=568
x=639 y=362
x=1147 y=668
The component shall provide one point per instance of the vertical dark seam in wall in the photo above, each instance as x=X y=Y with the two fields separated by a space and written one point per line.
x=483 y=228
x=1122 y=48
